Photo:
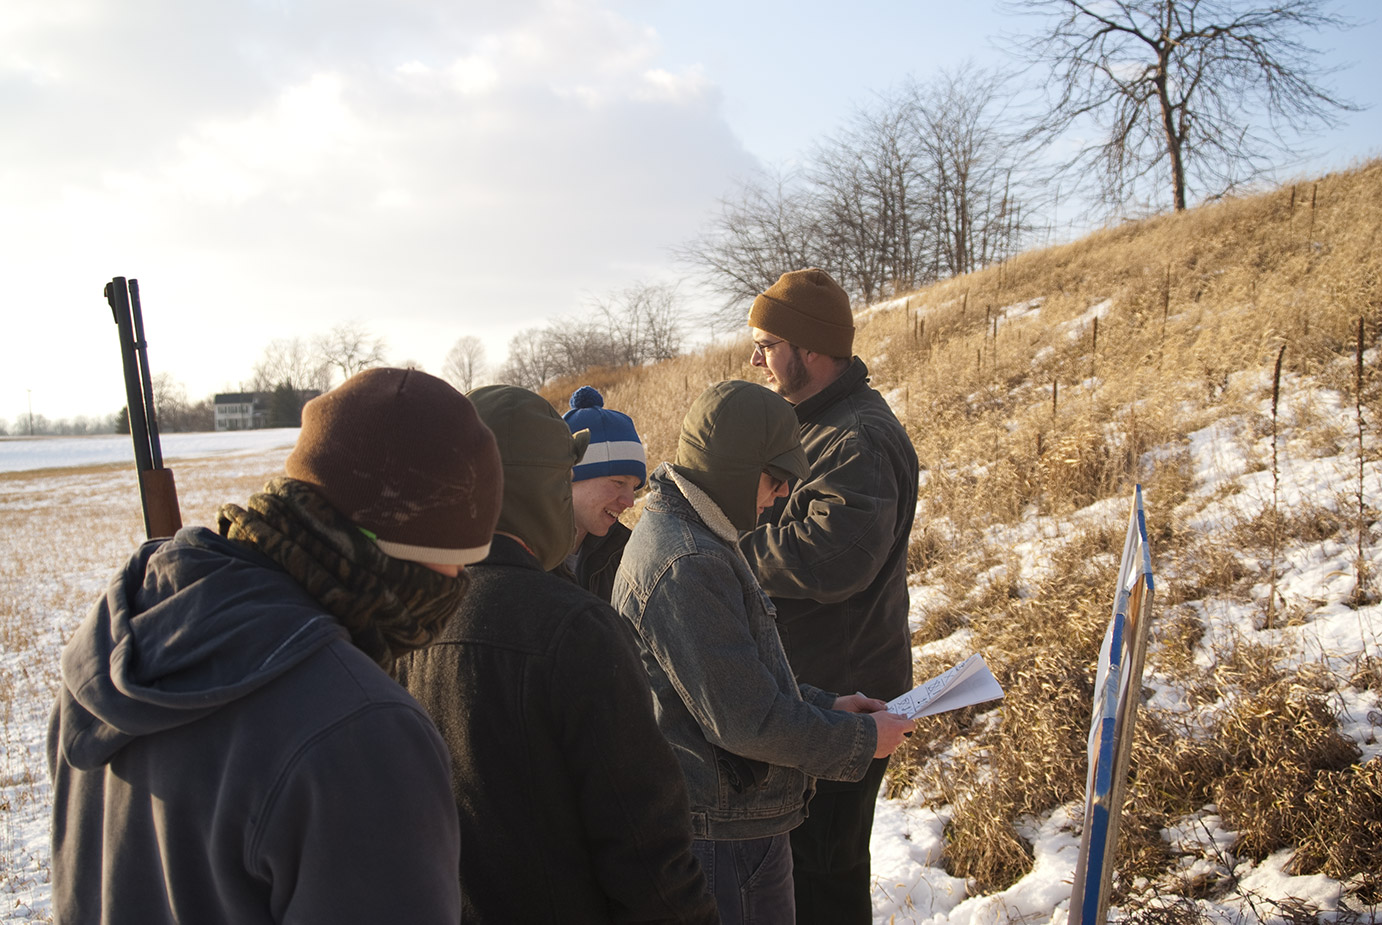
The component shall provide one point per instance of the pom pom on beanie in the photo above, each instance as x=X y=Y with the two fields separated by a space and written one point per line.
x=615 y=448
x=586 y=397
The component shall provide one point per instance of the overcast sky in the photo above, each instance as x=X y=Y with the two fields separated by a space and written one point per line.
x=428 y=168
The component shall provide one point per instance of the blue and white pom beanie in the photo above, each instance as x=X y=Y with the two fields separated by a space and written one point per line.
x=614 y=445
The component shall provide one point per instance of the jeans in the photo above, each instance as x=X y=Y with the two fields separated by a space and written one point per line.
x=750 y=879
x=830 y=851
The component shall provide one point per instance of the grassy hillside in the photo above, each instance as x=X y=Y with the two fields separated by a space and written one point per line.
x=1038 y=393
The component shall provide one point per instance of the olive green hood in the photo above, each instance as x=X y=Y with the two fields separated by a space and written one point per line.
x=733 y=432
x=538 y=451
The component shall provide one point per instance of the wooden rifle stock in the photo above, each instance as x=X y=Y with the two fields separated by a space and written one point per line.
x=158 y=495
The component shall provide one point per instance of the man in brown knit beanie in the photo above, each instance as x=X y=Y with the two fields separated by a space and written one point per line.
x=833 y=558
x=226 y=746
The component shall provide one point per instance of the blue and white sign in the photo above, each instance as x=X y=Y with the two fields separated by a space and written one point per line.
x=1117 y=690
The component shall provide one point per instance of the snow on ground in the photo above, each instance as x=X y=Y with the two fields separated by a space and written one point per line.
x=1076 y=327
x=1233 y=484
x=18 y=454
x=911 y=886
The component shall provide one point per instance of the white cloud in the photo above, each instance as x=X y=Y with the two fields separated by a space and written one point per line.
x=284 y=144
x=660 y=85
x=272 y=170
x=473 y=75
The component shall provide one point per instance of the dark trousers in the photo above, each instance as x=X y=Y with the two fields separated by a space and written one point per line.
x=751 y=879
x=830 y=852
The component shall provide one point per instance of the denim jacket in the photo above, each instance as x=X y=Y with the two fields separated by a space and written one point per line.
x=749 y=738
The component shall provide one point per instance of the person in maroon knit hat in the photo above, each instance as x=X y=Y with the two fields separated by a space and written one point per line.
x=833 y=558
x=227 y=746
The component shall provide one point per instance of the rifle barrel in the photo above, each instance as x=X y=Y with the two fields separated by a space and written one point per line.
x=158 y=495
x=117 y=294
x=146 y=380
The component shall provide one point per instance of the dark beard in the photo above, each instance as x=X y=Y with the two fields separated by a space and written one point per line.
x=795 y=378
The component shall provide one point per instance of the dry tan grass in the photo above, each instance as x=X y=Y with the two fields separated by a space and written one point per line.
x=1040 y=417
x=1277 y=746
x=1061 y=379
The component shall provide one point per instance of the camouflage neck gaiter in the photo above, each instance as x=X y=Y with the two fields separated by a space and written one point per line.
x=390 y=606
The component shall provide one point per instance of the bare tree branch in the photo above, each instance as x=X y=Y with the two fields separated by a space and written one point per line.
x=292 y=361
x=765 y=229
x=350 y=348
x=643 y=322
x=530 y=363
x=1182 y=94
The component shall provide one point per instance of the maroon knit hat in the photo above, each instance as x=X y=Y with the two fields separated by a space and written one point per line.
x=808 y=309
x=404 y=456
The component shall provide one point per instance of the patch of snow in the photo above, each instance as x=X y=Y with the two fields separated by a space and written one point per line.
x=19 y=454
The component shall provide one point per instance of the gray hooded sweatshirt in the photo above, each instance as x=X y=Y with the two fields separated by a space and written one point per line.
x=221 y=753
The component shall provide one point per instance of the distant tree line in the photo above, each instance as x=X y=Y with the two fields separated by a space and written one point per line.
x=22 y=425
x=643 y=323
x=292 y=370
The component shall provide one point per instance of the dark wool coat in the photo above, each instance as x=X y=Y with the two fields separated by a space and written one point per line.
x=597 y=561
x=572 y=805
x=222 y=753
x=833 y=554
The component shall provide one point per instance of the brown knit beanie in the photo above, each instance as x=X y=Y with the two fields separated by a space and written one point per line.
x=405 y=457
x=809 y=310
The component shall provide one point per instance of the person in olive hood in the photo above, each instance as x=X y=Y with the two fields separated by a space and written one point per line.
x=559 y=771
x=833 y=557
x=750 y=739
x=226 y=746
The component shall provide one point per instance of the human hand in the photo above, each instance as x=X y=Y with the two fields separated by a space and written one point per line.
x=892 y=729
x=859 y=703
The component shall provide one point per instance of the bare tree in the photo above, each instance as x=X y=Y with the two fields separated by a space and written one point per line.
x=1183 y=93
x=350 y=348
x=464 y=363
x=969 y=160
x=851 y=215
x=574 y=344
x=530 y=362
x=292 y=361
x=918 y=184
x=170 y=403
x=875 y=194
x=765 y=229
x=643 y=322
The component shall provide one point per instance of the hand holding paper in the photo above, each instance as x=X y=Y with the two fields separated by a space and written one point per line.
x=966 y=684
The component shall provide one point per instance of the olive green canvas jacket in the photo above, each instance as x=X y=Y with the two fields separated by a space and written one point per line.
x=833 y=554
